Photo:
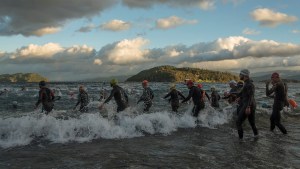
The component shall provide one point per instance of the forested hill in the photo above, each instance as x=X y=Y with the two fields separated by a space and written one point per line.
x=22 y=77
x=173 y=74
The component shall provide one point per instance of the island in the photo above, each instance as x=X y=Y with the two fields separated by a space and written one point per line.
x=22 y=77
x=168 y=73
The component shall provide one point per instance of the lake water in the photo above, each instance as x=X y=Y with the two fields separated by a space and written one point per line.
x=158 y=139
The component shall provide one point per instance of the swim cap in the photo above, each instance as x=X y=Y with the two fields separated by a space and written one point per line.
x=113 y=82
x=245 y=72
x=199 y=85
x=275 y=75
x=232 y=82
x=42 y=83
x=213 y=88
x=145 y=82
x=81 y=87
x=189 y=82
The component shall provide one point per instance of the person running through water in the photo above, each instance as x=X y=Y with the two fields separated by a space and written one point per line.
x=119 y=95
x=280 y=95
x=197 y=96
x=147 y=96
x=83 y=100
x=248 y=104
x=204 y=93
x=215 y=97
x=174 y=94
x=46 y=97
x=232 y=94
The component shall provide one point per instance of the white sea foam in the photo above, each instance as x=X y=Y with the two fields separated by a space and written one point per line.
x=57 y=128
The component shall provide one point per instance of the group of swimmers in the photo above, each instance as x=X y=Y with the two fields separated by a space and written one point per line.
x=241 y=93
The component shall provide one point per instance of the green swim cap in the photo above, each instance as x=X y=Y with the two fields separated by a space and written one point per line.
x=113 y=82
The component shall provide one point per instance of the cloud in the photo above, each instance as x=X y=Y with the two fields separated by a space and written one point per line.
x=172 y=22
x=44 y=31
x=77 y=49
x=115 y=25
x=97 y=62
x=35 y=51
x=248 y=31
x=87 y=28
x=202 y=4
x=37 y=18
x=130 y=56
x=129 y=52
x=270 y=18
x=48 y=53
x=125 y=52
x=249 y=62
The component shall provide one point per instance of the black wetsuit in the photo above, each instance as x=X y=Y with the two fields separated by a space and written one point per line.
x=46 y=97
x=120 y=96
x=279 y=103
x=174 y=99
x=233 y=94
x=147 y=98
x=215 y=97
x=198 y=100
x=83 y=99
x=247 y=100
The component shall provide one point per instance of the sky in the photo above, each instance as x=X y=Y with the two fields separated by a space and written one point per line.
x=67 y=40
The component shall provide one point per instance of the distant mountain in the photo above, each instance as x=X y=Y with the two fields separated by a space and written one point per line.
x=287 y=75
x=283 y=73
x=22 y=77
x=173 y=74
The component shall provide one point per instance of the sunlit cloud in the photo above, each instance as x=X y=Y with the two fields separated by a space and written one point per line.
x=270 y=18
x=79 y=49
x=44 y=31
x=249 y=62
x=172 y=22
x=115 y=25
x=125 y=52
x=133 y=55
x=44 y=51
x=97 y=62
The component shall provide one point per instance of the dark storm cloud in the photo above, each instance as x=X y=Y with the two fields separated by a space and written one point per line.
x=33 y=17
x=203 y=4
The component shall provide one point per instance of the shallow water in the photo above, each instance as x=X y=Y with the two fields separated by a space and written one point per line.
x=158 y=139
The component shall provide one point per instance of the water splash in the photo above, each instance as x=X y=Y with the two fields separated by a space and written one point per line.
x=63 y=126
